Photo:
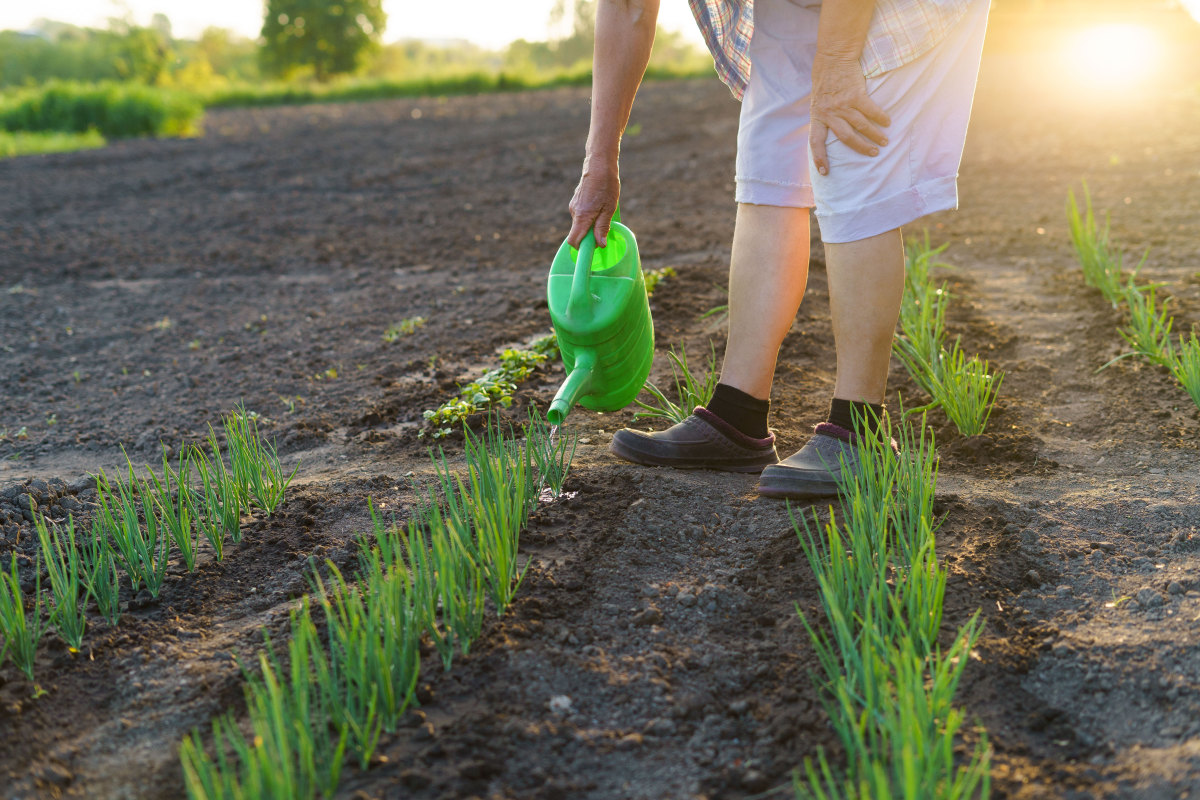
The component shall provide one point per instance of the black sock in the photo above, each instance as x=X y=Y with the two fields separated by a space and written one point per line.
x=743 y=411
x=861 y=418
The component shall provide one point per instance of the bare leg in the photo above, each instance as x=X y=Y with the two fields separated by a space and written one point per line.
x=866 y=284
x=767 y=276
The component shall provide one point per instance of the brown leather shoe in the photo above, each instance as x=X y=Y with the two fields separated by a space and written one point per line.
x=702 y=441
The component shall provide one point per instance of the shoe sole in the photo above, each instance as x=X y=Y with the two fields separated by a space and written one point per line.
x=797 y=489
x=645 y=459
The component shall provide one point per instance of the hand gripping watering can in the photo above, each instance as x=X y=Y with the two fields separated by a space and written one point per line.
x=597 y=299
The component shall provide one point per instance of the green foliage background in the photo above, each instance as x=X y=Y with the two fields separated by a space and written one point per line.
x=330 y=37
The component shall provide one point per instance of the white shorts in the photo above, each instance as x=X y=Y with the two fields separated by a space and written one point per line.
x=928 y=100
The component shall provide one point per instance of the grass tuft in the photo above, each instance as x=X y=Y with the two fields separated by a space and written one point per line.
x=257 y=472
x=1184 y=364
x=100 y=576
x=63 y=565
x=690 y=390
x=144 y=550
x=1103 y=264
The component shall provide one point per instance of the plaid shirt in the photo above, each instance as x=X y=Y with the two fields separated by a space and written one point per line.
x=901 y=30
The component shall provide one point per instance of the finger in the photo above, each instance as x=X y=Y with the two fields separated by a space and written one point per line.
x=848 y=136
x=580 y=225
x=601 y=226
x=865 y=127
x=816 y=145
x=874 y=111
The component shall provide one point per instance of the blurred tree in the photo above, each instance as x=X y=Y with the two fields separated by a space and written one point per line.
x=329 y=37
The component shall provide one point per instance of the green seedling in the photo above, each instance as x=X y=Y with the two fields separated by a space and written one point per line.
x=215 y=505
x=63 y=565
x=887 y=685
x=405 y=327
x=1185 y=366
x=171 y=497
x=1149 y=329
x=260 y=478
x=552 y=455
x=294 y=751
x=21 y=636
x=374 y=652
x=494 y=387
x=1102 y=265
x=691 y=391
x=100 y=576
x=656 y=276
x=144 y=550
x=966 y=391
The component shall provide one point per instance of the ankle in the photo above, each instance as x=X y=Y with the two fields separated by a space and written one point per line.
x=743 y=411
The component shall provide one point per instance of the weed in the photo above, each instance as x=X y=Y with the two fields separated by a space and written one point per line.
x=20 y=636
x=257 y=472
x=405 y=327
x=100 y=576
x=656 y=276
x=108 y=109
x=691 y=391
x=62 y=563
x=1184 y=364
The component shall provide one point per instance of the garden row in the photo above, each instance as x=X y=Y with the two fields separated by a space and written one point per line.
x=430 y=579
x=1148 y=330
x=139 y=525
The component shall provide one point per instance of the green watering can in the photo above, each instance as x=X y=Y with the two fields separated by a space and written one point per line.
x=597 y=299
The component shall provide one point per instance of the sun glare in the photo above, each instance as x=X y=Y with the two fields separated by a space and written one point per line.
x=1113 y=56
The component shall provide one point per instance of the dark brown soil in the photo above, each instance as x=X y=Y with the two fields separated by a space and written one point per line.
x=151 y=285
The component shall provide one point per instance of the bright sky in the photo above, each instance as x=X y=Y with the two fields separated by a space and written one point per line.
x=492 y=23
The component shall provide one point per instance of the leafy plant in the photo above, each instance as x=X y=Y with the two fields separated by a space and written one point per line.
x=100 y=576
x=144 y=551
x=690 y=390
x=494 y=387
x=656 y=276
x=21 y=637
x=257 y=472
x=405 y=327
x=62 y=562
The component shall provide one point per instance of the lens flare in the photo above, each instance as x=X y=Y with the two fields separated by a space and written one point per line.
x=1113 y=56
x=1193 y=8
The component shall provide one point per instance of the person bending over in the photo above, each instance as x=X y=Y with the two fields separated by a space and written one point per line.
x=855 y=108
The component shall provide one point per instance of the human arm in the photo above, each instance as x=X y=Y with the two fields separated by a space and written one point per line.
x=624 y=37
x=840 y=102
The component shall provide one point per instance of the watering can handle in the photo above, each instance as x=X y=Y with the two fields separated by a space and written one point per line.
x=579 y=304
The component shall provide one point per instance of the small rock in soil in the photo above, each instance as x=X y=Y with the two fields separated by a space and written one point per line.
x=1064 y=591
x=755 y=781
x=1149 y=598
x=415 y=779
x=143 y=599
x=739 y=707
x=1175 y=587
x=1033 y=578
x=650 y=616
x=686 y=599
x=660 y=727
x=560 y=704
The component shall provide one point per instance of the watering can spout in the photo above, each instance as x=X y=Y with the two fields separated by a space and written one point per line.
x=576 y=384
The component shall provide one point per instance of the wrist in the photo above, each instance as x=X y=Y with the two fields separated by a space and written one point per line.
x=602 y=157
